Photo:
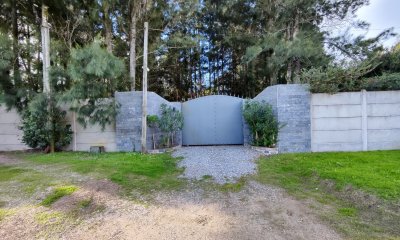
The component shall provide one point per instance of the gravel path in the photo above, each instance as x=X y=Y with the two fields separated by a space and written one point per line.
x=222 y=163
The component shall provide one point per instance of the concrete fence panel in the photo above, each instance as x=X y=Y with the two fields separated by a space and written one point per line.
x=355 y=121
x=83 y=138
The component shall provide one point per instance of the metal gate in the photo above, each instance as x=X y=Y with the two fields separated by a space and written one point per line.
x=213 y=120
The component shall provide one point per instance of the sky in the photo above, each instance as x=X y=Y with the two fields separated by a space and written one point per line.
x=381 y=14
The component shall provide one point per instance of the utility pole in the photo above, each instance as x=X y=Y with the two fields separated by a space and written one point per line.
x=45 y=49
x=144 y=91
x=45 y=30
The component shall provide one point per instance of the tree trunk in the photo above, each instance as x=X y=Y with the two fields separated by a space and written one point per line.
x=289 y=71
x=132 y=50
x=14 y=17
x=107 y=26
x=46 y=66
x=296 y=62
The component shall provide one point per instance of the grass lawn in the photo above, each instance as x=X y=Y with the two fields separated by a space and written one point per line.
x=374 y=172
x=336 y=180
x=133 y=171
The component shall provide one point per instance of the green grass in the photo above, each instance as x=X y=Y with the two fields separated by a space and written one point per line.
x=335 y=181
x=84 y=203
x=8 y=173
x=4 y=213
x=232 y=187
x=58 y=193
x=29 y=179
x=347 y=212
x=375 y=172
x=133 y=171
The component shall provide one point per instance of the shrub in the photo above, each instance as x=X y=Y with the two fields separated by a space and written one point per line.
x=336 y=79
x=262 y=122
x=170 y=122
x=386 y=82
x=152 y=122
x=43 y=125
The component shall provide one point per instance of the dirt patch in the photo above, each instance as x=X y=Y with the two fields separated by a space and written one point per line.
x=7 y=160
x=257 y=212
x=97 y=211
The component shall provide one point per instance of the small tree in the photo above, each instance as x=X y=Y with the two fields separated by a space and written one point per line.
x=152 y=122
x=262 y=122
x=43 y=125
x=95 y=74
x=170 y=122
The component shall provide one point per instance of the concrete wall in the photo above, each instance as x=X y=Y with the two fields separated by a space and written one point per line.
x=355 y=121
x=291 y=104
x=129 y=120
x=10 y=135
x=92 y=135
x=313 y=122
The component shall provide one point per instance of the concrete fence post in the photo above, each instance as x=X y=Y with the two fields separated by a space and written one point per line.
x=364 y=117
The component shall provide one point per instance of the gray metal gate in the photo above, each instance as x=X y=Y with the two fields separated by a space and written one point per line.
x=213 y=120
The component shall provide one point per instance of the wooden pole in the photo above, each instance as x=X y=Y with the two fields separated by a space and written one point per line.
x=45 y=30
x=45 y=49
x=144 y=101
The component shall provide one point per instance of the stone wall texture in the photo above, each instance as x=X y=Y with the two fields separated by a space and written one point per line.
x=129 y=120
x=291 y=104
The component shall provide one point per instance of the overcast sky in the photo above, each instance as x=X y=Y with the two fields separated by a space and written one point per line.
x=381 y=14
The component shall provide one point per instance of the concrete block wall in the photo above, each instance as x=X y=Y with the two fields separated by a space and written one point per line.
x=355 y=121
x=129 y=120
x=291 y=104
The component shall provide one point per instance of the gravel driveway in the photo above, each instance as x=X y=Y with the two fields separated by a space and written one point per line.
x=222 y=163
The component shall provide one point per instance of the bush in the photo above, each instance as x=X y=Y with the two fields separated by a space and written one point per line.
x=170 y=122
x=335 y=79
x=386 y=82
x=43 y=125
x=152 y=122
x=262 y=122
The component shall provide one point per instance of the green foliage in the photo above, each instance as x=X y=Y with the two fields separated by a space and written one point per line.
x=386 y=82
x=6 y=52
x=262 y=122
x=152 y=121
x=333 y=79
x=43 y=123
x=170 y=122
x=58 y=193
x=6 y=84
x=96 y=75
